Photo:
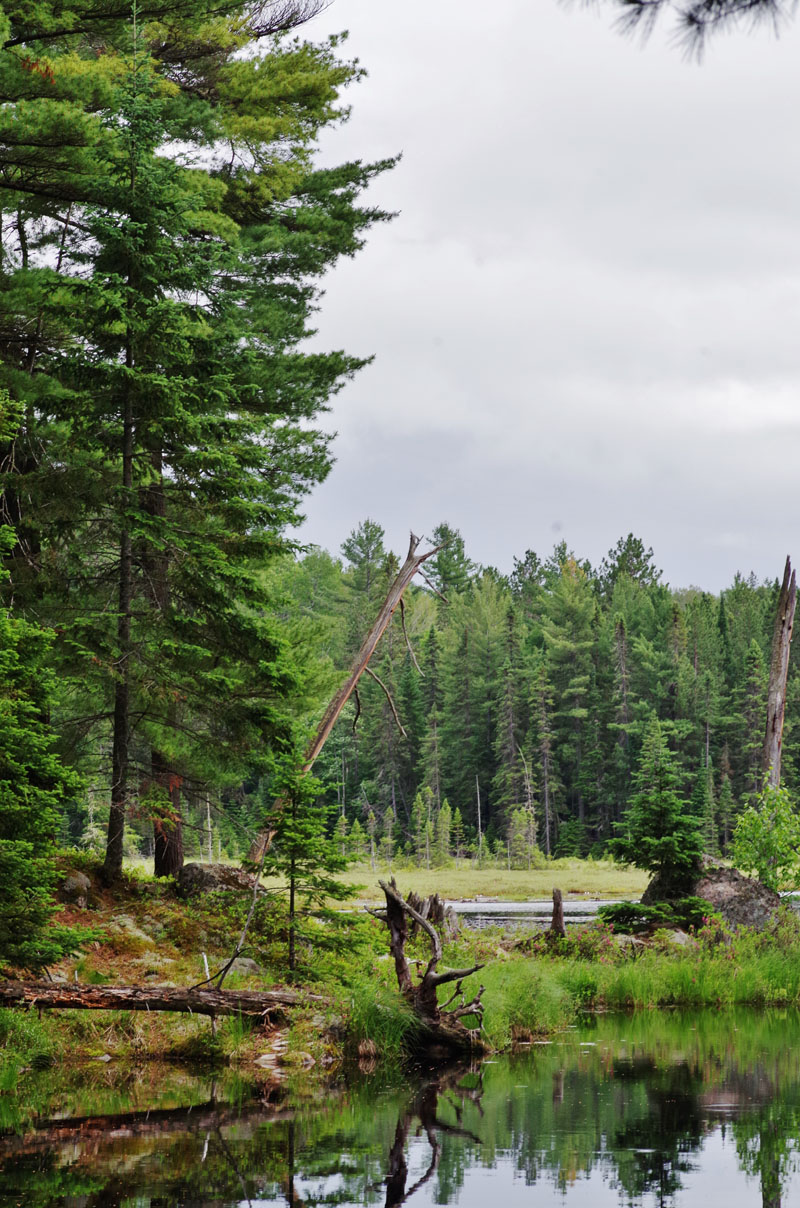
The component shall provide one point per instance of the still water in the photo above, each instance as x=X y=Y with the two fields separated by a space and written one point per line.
x=698 y=1110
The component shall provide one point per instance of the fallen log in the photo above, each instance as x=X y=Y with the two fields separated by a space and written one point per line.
x=259 y=1004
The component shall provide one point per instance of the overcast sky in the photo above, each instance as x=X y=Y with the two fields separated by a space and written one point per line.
x=586 y=316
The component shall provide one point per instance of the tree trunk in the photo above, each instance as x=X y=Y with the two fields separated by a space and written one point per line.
x=112 y=866
x=50 y=996
x=778 y=673
x=557 y=927
x=168 y=825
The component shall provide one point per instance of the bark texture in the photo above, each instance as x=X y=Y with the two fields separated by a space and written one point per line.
x=437 y=1024
x=778 y=672
x=47 y=996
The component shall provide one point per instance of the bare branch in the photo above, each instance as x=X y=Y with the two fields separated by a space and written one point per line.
x=408 y=643
x=388 y=695
x=434 y=589
x=440 y=979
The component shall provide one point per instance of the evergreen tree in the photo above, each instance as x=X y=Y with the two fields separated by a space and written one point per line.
x=443 y=831
x=304 y=855
x=168 y=435
x=660 y=833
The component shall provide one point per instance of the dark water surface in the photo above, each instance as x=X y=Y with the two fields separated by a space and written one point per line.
x=657 y=1108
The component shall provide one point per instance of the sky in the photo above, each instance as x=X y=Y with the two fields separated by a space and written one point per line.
x=585 y=315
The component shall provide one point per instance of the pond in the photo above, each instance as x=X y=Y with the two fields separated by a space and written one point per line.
x=650 y=1109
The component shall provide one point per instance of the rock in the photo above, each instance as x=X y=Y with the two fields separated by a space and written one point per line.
x=212 y=878
x=633 y=945
x=681 y=939
x=123 y=924
x=76 y=889
x=741 y=901
x=246 y=964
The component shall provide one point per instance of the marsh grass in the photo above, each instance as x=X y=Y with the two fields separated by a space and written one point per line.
x=376 y=1012
x=590 y=878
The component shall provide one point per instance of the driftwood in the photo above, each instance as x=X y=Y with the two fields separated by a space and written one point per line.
x=259 y=1004
x=437 y=1023
x=778 y=672
x=393 y=599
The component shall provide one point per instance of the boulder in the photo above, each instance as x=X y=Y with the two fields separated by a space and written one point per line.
x=742 y=901
x=76 y=889
x=212 y=878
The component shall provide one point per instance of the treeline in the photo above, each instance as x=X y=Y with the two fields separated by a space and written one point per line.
x=523 y=699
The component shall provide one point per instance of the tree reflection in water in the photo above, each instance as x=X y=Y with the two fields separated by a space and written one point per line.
x=424 y=1107
x=628 y=1106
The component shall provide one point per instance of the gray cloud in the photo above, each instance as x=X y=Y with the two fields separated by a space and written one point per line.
x=585 y=316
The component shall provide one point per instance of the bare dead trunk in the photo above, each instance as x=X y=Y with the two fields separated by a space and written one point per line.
x=50 y=996
x=557 y=924
x=437 y=1023
x=778 y=673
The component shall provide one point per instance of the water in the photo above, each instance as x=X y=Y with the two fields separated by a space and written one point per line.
x=531 y=915
x=655 y=1109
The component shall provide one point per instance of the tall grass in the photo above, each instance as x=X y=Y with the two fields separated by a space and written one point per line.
x=378 y=1013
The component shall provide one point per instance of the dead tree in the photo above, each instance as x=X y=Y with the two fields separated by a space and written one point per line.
x=394 y=598
x=441 y=1024
x=557 y=928
x=778 y=672
x=258 y=1004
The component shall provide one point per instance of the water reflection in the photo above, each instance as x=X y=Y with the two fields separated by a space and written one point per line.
x=655 y=1109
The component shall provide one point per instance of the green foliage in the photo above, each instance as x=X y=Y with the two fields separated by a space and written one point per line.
x=306 y=856
x=35 y=787
x=766 y=839
x=376 y=1012
x=660 y=834
x=634 y=917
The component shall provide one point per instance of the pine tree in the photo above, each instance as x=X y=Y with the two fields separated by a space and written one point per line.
x=170 y=398
x=35 y=787
x=660 y=833
x=303 y=854
x=443 y=833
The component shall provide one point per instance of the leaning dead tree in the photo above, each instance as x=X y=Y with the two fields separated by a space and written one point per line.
x=778 y=673
x=394 y=599
x=440 y=1023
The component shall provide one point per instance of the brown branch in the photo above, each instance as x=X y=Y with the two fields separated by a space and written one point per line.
x=388 y=696
x=394 y=595
x=358 y=709
x=440 y=979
